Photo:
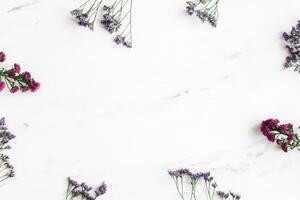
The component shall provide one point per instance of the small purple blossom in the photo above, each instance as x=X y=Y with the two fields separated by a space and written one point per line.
x=101 y=189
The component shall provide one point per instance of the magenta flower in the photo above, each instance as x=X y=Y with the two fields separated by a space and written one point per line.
x=35 y=85
x=283 y=134
x=27 y=76
x=17 y=68
x=2 y=85
x=15 y=80
x=14 y=89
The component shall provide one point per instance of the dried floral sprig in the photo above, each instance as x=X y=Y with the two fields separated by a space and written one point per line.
x=16 y=80
x=179 y=176
x=119 y=15
x=86 y=14
x=282 y=134
x=117 y=18
x=293 y=40
x=6 y=169
x=206 y=10
x=83 y=191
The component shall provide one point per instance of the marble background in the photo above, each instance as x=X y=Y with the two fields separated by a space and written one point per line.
x=187 y=95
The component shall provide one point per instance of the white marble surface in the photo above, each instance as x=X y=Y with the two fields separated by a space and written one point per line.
x=186 y=95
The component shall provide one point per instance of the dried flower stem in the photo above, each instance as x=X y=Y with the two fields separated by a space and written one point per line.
x=83 y=191
x=179 y=175
x=116 y=16
x=206 y=10
x=86 y=14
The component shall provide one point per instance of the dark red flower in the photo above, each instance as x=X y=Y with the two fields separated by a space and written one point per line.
x=2 y=56
x=283 y=128
x=284 y=147
x=271 y=137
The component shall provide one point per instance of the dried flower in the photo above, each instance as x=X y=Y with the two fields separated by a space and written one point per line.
x=2 y=56
x=83 y=191
x=101 y=189
x=86 y=14
x=282 y=134
x=6 y=169
x=14 y=80
x=179 y=176
x=293 y=47
x=206 y=10
x=116 y=16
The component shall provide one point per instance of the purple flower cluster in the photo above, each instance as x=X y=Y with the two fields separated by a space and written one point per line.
x=227 y=195
x=83 y=191
x=16 y=80
x=293 y=47
x=86 y=13
x=6 y=169
x=110 y=21
x=194 y=178
x=282 y=134
x=115 y=17
x=206 y=10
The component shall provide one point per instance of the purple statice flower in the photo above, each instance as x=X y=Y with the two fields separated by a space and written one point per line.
x=222 y=195
x=6 y=169
x=282 y=134
x=183 y=176
x=101 y=190
x=16 y=81
x=86 y=14
x=83 y=191
x=206 y=10
x=117 y=19
x=293 y=46
x=179 y=172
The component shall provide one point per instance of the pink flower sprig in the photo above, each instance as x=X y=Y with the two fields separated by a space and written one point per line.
x=282 y=134
x=16 y=80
